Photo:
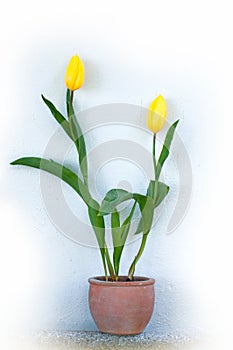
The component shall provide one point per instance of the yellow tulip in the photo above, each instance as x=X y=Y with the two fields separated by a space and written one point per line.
x=157 y=114
x=74 y=77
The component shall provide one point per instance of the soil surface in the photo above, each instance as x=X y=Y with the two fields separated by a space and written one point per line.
x=124 y=279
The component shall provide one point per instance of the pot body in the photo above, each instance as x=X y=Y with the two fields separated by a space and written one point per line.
x=123 y=307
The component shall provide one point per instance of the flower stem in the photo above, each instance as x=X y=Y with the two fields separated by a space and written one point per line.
x=110 y=267
x=153 y=152
x=102 y=251
x=137 y=257
x=155 y=167
x=71 y=98
x=70 y=115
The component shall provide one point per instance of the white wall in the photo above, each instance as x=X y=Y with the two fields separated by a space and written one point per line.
x=132 y=51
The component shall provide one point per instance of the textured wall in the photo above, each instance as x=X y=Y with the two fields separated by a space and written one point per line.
x=131 y=54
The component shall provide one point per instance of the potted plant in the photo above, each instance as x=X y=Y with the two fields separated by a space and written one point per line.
x=118 y=304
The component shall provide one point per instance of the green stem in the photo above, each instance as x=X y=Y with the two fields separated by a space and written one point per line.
x=71 y=97
x=102 y=250
x=155 y=168
x=110 y=267
x=70 y=114
x=153 y=152
x=137 y=257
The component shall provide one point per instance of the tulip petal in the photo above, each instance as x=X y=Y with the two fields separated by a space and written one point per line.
x=157 y=114
x=74 y=77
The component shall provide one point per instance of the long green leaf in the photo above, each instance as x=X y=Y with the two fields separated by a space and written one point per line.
x=166 y=147
x=58 y=116
x=113 y=198
x=146 y=205
x=119 y=235
x=98 y=225
x=162 y=191
x=77 y=137
x=116 y=196
x=76 y=183
x=109 y=263
x=116 y=234
x=115 y=225
x=61 y=172
x=126 y=224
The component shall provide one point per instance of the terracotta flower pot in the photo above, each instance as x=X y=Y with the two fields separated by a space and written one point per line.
x=123 y=307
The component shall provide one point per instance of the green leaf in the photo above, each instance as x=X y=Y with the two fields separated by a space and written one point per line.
x=81 y=147
x=119 y=235
x=116 y=196
x=77 y=184
x=116 y=233
x=150 y=189
x=140 y=227
x=112 y=199
x=73 y=130
x=146 y=205
x=162 y=191
x=166 y=147
x=98 y=225
x=78 y=138
x=58 y=116
x=115 y=225
x=110 y=267
x=61 y=172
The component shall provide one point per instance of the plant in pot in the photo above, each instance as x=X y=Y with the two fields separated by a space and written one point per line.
x=118 y=304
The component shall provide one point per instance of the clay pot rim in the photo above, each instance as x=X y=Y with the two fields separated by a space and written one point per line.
x=141 y=281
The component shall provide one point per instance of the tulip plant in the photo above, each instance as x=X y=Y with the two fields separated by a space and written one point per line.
x=156 y=191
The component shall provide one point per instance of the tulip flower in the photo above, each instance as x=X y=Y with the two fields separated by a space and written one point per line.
x=157 y=114
x=74 y=77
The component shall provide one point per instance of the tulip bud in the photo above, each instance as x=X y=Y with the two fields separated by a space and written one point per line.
x=157 y=114
x=74 y=77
